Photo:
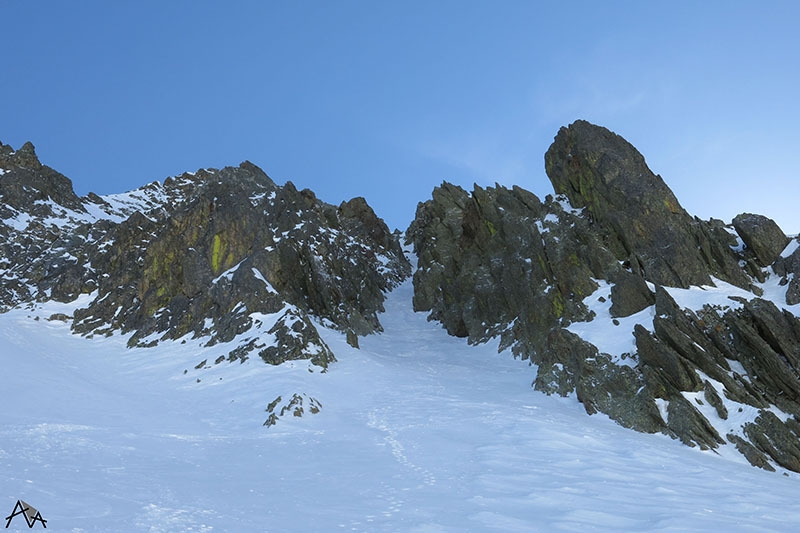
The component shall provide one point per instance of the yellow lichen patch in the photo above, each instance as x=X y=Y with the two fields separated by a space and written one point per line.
x=216 y=253
x=573 y=259
x=558 y=304
x=159 y=272
x=671 y=205
x=639 y=228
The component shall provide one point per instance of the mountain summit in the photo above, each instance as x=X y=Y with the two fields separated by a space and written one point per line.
x=226 y=255
x=641 y=219
x=613 y=292
x=593 y=287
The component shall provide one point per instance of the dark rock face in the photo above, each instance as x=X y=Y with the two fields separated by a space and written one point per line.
x=640 y=219
x=789 y=269
x=501 y=263
x=29 y=186
x=497 y=255
x=226 y=255
x=241 y=245
x=277 y=409
x=762 y=236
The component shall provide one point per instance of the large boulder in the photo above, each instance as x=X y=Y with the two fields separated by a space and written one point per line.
x=762 y=236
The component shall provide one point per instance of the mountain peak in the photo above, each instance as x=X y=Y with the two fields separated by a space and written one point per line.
x=27 y=185
x=25 y=157
x=592 y=286
x=598 y=169
x=221 y=254
x=642 y=220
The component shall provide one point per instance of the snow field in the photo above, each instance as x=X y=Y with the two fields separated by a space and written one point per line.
x=418 y=432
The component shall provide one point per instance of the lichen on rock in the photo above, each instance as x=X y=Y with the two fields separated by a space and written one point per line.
x=212 y=254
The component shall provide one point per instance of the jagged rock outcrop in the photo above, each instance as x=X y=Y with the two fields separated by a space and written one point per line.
x=612 y=247
x=500 y=262
x=226 y=255
x=788 y=267
x=639 y=218
x=297 y=406
x=761 y=236
x=30 y=187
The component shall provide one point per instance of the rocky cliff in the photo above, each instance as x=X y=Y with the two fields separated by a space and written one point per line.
x=587 y=284
x=223 y=255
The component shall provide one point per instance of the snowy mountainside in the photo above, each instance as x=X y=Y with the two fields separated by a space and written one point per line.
x=587 y=286
x=154 y=311
x=418 y=432
x=218 y=254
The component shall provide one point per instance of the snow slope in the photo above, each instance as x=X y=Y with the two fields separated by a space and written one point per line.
x=417 y=432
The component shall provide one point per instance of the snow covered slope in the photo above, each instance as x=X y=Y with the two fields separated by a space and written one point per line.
x=417 y=432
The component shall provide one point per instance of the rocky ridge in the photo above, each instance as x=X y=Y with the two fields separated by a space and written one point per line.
x=223 y=255
x=662 y=321
x=612 y=252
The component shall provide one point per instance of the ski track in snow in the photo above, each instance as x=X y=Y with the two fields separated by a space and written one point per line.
x=418 y=432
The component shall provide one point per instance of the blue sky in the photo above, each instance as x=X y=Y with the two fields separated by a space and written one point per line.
x=387 y=99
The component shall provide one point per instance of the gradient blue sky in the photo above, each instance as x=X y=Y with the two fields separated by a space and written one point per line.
x=387 y=99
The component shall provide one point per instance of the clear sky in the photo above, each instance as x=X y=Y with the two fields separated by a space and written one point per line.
x=386 y=99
